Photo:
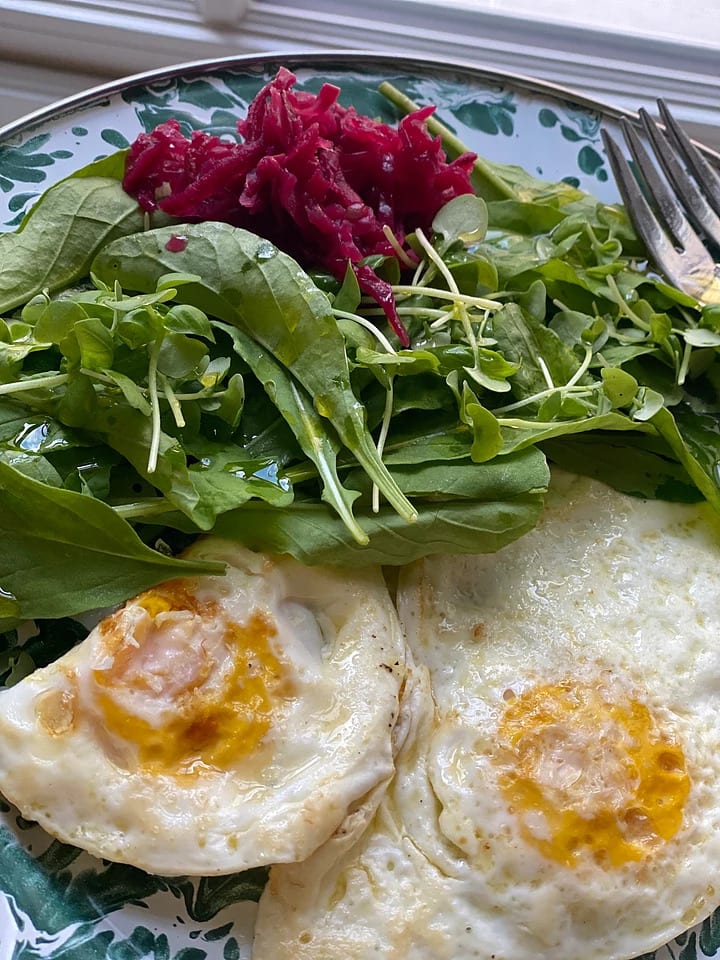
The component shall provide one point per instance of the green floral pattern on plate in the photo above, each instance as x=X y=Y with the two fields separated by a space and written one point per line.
x=62 y=904
x=504 y=122
x=57 y=903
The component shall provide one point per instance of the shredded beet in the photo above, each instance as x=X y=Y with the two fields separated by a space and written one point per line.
x=318 y=179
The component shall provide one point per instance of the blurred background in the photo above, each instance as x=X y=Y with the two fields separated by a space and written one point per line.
x=623 y=52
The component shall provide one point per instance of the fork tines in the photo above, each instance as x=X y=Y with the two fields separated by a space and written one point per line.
x=703 y=171
x=703 y=207
x=666 y=199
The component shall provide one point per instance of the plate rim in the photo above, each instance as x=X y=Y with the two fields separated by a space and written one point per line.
x=320 y=59
x=324 y=59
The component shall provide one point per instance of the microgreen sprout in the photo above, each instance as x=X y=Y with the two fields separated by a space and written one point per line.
x=387 y=410
x=402 y=254
x=623 y=306
x=384 y=429
x=152 y=378
x=41 y=382
x=481 y=303
x=367 y=325
x=459 y=310
x=545 y=372
x=564 y=390
x=172 y=400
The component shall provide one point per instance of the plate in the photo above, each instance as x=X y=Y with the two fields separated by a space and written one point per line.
x=56 y=902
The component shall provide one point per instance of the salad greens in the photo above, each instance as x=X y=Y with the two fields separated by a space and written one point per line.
x=48 y=252
x=247 y=281
x=85 y=536
x=159 y=380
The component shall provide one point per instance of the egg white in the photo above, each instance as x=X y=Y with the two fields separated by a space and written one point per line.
x=213 y=724
x=587 y=654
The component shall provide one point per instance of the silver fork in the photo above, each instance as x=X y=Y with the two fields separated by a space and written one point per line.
x=678 y=214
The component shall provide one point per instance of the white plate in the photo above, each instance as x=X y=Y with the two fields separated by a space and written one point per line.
x=57 y=903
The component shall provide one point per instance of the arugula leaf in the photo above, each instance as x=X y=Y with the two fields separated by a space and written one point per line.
x=316 y=440
x=488 y=506
x=523 y=340
x=64 y=553
x=527 y=433
x=246 y=280
x=225 y=477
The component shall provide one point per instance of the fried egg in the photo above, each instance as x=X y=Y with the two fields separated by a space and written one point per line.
x=559 y=793
x=213 y=724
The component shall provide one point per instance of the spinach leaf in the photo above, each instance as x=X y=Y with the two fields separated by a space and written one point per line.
x=225 y=477
x=32 y=465
x=313 y=534
x=434 y=438
x=527 y=218
x=504 y=477
x=57 y=241
x=64 y=553
x=636 y=464
x=129 y=432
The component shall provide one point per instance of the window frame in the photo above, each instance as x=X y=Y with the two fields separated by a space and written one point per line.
x=83 y=41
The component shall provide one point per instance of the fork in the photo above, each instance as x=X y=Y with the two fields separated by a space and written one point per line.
x=678 y=214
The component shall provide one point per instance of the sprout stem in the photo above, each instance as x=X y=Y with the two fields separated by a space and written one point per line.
x=484 y=175
x=33 y=383
x=154 y=407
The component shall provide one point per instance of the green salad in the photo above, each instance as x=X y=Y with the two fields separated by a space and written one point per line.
x=161 y=380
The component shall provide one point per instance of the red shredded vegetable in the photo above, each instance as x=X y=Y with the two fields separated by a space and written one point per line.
x=318 y=179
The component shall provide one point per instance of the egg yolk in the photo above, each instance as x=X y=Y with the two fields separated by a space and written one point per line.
x=589 y=774
x=187 y=706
